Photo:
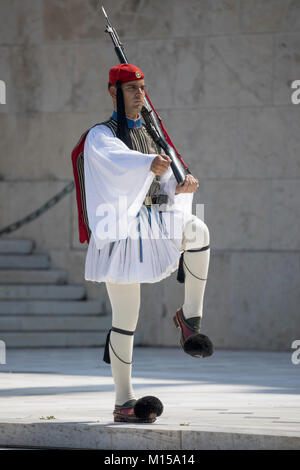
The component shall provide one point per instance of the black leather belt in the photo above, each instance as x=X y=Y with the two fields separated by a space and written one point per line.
x=160 y=199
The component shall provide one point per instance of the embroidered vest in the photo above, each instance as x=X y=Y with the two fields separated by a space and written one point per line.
x=141 y=141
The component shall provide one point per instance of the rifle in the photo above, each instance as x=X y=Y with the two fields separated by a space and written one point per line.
x=152 y=120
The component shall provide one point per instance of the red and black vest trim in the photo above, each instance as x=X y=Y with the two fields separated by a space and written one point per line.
x=78 y=171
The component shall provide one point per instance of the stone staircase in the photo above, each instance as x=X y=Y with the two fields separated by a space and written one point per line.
x=38 y=308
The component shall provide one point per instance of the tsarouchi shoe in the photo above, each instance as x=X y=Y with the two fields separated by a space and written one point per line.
x=143 y=410
x=192 y=341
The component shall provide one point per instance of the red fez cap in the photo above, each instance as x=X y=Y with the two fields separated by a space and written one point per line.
x=124 y=73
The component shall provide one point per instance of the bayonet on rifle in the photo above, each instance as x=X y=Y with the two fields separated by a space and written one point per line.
x=151 y=118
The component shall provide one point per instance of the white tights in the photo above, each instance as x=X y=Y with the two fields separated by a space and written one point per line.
x=195 y=236
x=125 y=301
x=125 y=304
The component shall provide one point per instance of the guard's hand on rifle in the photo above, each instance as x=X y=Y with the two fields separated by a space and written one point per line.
x=190 y=185
x=160 y=164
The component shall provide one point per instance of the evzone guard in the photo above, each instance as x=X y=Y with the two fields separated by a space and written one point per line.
x=138 y=223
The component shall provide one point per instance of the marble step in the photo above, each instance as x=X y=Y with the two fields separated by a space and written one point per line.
x=42 y=292
x=60 y=339
x=12 y=246
x=32 y=323
x=31 y=276
x=53 y=339
x=35 y=261
x=50 y=307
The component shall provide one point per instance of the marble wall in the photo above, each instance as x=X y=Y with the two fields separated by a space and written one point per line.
x=220 y=74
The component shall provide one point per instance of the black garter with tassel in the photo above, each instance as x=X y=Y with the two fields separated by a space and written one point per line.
x=106 y=357
x=180 y=272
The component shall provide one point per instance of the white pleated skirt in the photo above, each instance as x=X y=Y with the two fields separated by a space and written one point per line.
x=151 y=252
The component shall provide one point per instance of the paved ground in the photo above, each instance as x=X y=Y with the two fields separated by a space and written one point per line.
x=231 y=400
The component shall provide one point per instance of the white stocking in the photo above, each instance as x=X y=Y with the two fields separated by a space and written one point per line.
x=125 y=303
x=195 y=264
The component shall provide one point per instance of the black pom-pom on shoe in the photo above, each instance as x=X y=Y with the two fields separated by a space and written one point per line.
x=198 y=345
x=148 y=407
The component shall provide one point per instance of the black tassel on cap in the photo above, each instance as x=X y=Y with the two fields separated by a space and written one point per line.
x=106 y=357
x=181 y=273
x=122 y=129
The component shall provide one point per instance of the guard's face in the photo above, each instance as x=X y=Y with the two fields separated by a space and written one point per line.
x=134 y=94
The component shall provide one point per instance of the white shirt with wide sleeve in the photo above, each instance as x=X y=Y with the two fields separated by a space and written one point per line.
x=129 y=243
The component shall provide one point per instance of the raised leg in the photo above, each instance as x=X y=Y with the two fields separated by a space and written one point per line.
x=193 y=270
x=195 y=265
